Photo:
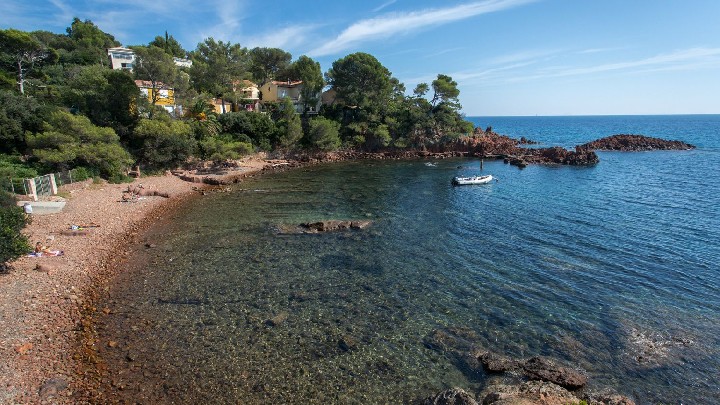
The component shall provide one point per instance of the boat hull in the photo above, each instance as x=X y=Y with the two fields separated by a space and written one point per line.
x=473 y=180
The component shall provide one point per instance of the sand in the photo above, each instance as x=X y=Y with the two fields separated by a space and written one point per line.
x=42 y=299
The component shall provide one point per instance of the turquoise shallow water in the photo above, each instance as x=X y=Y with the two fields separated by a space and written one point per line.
x=588 y=265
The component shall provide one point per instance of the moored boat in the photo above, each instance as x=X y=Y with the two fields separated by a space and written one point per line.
x=466 y=181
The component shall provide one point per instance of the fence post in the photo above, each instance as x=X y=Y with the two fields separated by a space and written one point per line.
x=70 y=175
x=53 y=185
x=33 y=189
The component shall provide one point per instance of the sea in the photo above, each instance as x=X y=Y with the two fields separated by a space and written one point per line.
x=612 y=269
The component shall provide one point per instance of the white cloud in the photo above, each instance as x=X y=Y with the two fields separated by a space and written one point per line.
x=682 y=60
x=288 y=37
x=677 y=59
x=382 y=6
x=404 y=23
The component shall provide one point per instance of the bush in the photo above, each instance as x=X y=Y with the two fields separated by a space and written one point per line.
x=324 y=134
x=72 y=140
x=165 y=143
x=13 y=244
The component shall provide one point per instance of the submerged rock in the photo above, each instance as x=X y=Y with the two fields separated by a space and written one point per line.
x=527 y=393
x=334 y=225
x=451 y=396
x=540 y=368
x=496 y=363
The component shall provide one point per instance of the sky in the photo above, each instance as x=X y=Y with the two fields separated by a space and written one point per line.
x=509 y=57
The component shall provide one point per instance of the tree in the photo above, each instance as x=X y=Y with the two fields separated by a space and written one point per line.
x=13 y=243
x=166 y=143
x=157 y=67
x=267 y=63
x=324 y=134
x=289 y=125
x=446 y=91
x=216 y=65
x=309 y=72
x=24 y=53
x=361 y=81
x=19 y=115
x=72 y=140
x=107 y=97
x=170 y=45
x=91 y=43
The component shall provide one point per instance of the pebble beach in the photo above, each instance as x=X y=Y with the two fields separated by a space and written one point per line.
x=42 y=299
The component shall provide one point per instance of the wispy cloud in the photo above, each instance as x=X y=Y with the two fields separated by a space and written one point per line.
x=599 y=50
x=675 y=60
x=443 y=52
x=681 y=60
x=534 y=55
x=382 y=6
x=404 y=23
x=284 y=38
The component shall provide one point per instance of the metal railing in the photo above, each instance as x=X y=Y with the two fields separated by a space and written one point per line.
x=42 y=185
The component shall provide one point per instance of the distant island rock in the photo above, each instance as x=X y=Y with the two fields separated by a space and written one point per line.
x=634 y=143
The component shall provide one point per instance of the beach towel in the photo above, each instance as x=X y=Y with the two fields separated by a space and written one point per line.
x=47 y=254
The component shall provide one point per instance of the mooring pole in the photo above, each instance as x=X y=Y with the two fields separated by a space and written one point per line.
x=481 y=164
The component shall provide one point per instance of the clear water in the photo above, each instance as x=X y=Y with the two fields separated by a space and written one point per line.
x=576 y=263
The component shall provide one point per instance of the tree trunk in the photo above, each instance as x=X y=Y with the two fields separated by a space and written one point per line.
x=21 y=79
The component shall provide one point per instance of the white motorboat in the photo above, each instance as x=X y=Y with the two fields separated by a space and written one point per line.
x=466 y=181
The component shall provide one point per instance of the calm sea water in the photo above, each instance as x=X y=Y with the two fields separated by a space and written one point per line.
x=613 y=268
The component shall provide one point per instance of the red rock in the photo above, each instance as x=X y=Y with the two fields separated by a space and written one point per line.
x=22 y=349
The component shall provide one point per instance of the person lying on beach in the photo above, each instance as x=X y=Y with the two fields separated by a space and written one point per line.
x=44 y=250
x=39 y=248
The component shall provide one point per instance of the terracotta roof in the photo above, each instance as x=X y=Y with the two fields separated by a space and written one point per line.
x=286 y=83
x=147 y=84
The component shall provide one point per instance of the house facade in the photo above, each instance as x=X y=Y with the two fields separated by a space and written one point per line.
x=124 y=58
x=275 y=91
x=121 y=58
x=165 y=95
x=250 y=94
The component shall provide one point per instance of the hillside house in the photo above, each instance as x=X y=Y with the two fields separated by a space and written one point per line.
x=165 y=95
x=124 y=58
x=275 y=91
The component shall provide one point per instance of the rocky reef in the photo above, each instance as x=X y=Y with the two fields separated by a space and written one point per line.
x=633 y=143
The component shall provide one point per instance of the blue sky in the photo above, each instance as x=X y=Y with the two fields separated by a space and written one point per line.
x=510 y=57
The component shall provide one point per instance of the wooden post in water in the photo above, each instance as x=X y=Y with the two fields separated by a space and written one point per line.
x=481 y=164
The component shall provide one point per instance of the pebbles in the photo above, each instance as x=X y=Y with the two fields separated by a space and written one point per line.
x=37 y=301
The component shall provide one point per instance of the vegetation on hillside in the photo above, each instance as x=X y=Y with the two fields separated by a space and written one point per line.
x=62 y=106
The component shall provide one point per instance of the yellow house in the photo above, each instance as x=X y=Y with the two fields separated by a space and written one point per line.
x=165 y=94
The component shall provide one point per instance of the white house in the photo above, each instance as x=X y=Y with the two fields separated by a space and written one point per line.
x=121 y=58
x=124 y=58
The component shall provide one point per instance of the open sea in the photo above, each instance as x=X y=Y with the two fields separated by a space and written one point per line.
x=613 y=268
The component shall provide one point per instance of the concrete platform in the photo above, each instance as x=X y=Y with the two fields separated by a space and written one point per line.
x=44 y=207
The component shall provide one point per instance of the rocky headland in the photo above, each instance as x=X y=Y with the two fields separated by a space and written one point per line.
x=634 y=143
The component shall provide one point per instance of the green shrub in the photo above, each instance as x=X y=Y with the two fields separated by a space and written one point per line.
x=82 y=173
x=13 y=244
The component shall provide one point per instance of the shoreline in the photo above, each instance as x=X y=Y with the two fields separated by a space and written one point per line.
x=48 y=351
x=44 y=324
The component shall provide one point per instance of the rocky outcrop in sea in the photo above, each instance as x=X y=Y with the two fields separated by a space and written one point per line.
x=634 y=143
